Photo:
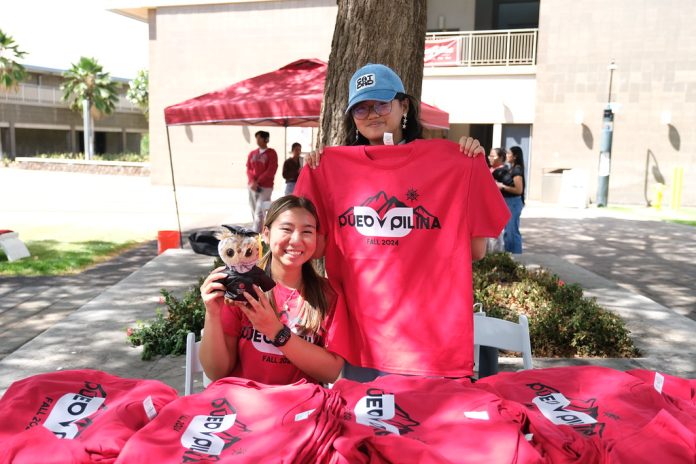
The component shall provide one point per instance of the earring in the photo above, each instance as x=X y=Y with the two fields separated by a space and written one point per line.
x=404 y=120
x=357 y=135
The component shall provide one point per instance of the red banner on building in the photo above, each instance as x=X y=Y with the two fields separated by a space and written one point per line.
x=442 y=52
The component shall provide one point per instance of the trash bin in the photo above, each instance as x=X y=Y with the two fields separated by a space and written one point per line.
x=167 y=239
x=551 y=185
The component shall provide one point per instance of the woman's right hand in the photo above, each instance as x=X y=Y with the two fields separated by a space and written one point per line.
x=213 y=291
x=313 y=157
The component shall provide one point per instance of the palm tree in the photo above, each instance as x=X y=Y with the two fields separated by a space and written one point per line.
x=11 y=72
x=138 y=92
x=88 y=88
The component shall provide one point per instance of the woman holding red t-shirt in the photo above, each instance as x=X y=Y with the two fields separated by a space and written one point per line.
x=279 y=338
x=403 y=219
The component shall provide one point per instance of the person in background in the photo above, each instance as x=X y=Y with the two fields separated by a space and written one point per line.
x=514 y=198
x=261 y=168
x=291 y=168
x=279 y=338
x=496 y=161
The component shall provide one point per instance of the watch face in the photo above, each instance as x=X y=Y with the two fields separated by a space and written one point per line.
x=282 y=337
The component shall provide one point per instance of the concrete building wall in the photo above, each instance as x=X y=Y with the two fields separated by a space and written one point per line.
x=198 y=49
x=653 y=46
x=481 y=99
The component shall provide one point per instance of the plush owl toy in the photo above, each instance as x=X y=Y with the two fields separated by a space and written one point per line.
x=239 y=250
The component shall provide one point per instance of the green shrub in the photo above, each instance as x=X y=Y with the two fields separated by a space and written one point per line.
x=562 y=323
x=166 y=333
x=145 y=146
x=127 y=157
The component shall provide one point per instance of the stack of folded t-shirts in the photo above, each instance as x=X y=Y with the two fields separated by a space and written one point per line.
x=627 y=418
x=399 y=419
x=241 y=421
x=76 y=416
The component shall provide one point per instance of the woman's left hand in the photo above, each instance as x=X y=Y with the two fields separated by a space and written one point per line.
x=261 y=315
x=470 y=147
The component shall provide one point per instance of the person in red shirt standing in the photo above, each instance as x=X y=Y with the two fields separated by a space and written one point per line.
x=280 y=338
x=261 y=168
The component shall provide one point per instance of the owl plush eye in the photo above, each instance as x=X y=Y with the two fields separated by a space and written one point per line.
x=229 y=252
x=248 y=252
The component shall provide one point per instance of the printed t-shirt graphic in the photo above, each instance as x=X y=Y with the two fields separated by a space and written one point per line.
x=96 y=409
x=401 y=417
x=600 y=404
x=399 y=221
x=258 y=359
x=240 y=421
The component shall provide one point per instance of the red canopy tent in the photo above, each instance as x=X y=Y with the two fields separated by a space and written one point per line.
x=289 y=96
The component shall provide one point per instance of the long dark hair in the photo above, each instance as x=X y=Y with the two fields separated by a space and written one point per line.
x=413 y=131
x=315 y=305
x=518 y=156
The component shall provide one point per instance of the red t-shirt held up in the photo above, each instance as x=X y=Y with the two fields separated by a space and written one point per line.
x=399 y=222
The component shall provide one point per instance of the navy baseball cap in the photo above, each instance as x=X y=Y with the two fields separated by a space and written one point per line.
x=373 y=82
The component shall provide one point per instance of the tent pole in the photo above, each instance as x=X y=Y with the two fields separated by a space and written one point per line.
x=176 y=202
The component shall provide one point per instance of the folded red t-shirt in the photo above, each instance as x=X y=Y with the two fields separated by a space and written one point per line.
x=82 y=408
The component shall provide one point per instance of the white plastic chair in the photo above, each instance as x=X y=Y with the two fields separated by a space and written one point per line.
x=13 y=246
x=504 y=335
x=193 y=363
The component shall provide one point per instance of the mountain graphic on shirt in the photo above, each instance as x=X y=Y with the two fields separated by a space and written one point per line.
x=382 y=204
x=379 y=202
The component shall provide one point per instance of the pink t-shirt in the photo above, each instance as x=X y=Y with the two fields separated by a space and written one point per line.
x=258 y=359
x=399 y=222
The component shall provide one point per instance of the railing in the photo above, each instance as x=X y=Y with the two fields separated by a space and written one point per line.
x=510 y=47
x=30 y=94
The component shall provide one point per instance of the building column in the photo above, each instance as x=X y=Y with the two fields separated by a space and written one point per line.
x=497 y=135
x=73 y=140
x=13 y=142
x=124 y=140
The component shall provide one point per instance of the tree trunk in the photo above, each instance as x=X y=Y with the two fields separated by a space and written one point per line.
x=371 y=31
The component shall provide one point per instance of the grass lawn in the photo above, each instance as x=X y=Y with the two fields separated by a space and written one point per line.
x=686 y=216
x=52 y=257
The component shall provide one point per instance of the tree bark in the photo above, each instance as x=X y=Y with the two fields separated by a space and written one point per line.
x=371 y=31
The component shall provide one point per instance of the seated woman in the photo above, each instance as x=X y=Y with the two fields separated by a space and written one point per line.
x=279 y=338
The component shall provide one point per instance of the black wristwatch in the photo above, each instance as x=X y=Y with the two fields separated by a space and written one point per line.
x=282 y=337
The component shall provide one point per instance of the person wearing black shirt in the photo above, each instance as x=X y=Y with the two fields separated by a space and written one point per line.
x=291 y=168
x=514 y=198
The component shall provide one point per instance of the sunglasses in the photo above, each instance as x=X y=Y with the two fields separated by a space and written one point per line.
x=362 y=110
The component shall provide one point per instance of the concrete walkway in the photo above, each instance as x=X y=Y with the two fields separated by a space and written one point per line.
x=651 y=258
x=31 y=305
x=94 y=336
